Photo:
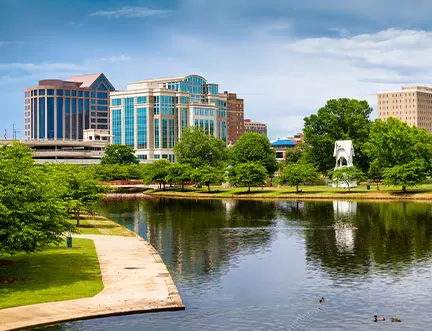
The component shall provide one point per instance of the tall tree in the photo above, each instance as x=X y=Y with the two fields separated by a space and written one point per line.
x=341 y=119
x=157 y=172
x=401 y=152
x=295 y=174
x=119 y=154
x=248 y=174
x=32 y=213
x=179 y=174
x=254 y=147
x=199 y=149
x=207 y=175
x=347 y=175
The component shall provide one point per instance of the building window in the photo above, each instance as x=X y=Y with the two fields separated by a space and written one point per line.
x=50 y=117
x=116 y=125
x=116 y=102
x=50 y=92
x=73 y=93
x=142 y=127
x=129 y=122
x=141 y=100
x=156 y=133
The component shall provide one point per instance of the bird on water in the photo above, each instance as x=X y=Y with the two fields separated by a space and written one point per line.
x=379 y=318
x=395 y=319
x=322 y=300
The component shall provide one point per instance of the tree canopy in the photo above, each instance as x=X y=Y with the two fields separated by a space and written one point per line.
x=254 y=147
x=207 y=175
x=157 y=172
x=401 y=152
x=198 y=149
x=347 y=175
x=339 y=119
x=295 y=174
x=32 y=213
x=248 y=174
x=119 y=154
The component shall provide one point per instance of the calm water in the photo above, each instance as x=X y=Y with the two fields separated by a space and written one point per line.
x=252 y=265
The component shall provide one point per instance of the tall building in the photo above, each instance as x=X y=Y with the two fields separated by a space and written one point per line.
x=151 y=114
x=235 y=113
x=257 y=127
x=61 y=110
x=413 y=105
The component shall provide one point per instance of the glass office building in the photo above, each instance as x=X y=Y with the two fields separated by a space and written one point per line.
x=61 y=110
x=151 y=114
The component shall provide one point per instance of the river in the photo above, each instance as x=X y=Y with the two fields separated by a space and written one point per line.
x=264 y=265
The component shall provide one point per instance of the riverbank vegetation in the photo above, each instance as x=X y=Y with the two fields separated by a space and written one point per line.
x=54 y=274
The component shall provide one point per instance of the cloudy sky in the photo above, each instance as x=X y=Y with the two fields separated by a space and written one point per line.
x=285 y=58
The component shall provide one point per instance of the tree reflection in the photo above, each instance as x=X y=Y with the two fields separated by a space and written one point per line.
x=198 y=237
x=351 y=237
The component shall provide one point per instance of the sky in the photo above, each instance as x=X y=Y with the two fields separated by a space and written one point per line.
x=284 y=58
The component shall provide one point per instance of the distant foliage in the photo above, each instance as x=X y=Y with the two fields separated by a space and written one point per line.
x=247 y=174
x=119 y=154
x=296 y=174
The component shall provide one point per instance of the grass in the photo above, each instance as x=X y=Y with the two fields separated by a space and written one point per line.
x=97 y=224
x=422 y=192
x=54 y=274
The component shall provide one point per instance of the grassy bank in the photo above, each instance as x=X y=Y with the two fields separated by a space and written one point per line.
x=422 y=192
x=55 y=274
x=97 y=224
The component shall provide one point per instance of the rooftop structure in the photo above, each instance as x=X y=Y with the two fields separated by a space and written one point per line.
x=258 y=127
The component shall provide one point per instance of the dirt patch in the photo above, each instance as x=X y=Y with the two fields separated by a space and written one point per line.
x=6 y=263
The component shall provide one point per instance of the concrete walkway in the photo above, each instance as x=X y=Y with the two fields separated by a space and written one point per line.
x=135 y=280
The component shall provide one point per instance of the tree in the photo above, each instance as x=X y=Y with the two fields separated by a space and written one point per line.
x=207 y=175
x=394 y=147
x=248 y=174
x=199 y=149
x=179 y=174
x=157 y=172
x=347 y=175
x=341 y=119
x=293 y=155
x=32 y=213
x=81 y=190
x=119 y=154
x=254 y=147
x=296 y=174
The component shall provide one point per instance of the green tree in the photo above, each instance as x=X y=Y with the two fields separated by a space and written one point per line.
x=347 y=175
x=119 y=154
x=296 y=174
x=157 y=172
x=199 y=149
x=207 y=175
x=248 y=174
x=81 y=190
x=341 y=119
x=293 y=155
x=254 y=147
x=395 y=148
x=179 y=174
x=32 y=214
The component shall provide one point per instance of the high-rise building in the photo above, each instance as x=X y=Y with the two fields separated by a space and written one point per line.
x=151 y=114
x=413 y=105
x=235 y=113
x=61 y=110
x=257 y=127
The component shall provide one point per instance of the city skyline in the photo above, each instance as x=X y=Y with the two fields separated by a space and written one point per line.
x=284 y=58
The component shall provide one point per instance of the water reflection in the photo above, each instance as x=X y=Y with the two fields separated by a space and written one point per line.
x=199 y=237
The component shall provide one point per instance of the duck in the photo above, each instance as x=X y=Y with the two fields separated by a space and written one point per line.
x=379 y=318
x=322 y=300
x=395 y=319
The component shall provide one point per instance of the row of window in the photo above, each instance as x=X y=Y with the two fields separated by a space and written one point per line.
x=61 y=92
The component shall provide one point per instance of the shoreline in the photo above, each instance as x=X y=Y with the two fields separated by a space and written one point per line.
x=135 y=281
x=419 y=197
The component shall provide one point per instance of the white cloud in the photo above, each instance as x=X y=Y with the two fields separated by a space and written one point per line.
x=130 y=12
x=115 y=58
x=409 y=49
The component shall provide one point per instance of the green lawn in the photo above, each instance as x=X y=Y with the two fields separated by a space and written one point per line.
x=97 y=224
x=55 y=274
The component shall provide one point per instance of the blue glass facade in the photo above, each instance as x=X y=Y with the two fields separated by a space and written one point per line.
x=66 y=108
x=156 y=133
x=129 y=121
x=142 y=127
x=117 y=126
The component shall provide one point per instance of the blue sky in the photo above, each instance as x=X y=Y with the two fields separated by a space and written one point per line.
x=285 y=58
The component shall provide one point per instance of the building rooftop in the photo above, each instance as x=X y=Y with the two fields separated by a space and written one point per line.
x=86 y=80
x=283 y=142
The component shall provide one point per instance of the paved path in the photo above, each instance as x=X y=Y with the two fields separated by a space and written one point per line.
x=135 y=280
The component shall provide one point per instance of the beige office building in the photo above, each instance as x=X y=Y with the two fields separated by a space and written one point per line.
x=258 y=127
x=413 y=105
